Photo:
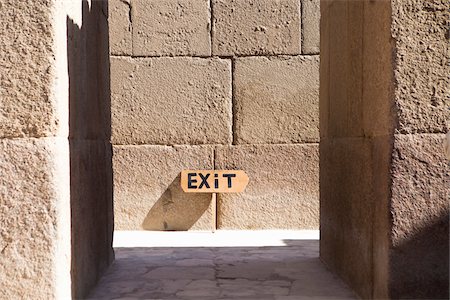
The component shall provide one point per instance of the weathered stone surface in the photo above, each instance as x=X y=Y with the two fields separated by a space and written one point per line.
x=356 y=124
x=89 y=103
x=276 y=99
x=35 y=219
x=447 y=145
x=147 y=191
x=167 y=27
x=420 y=32
x=91 y=212
x=120 y=33
x=27 y=105
x=341 y=53
x=310 y=26
x=346 y=209
x=256 y=27
x=356 y=99
x=171 y=101
x=283 y=191
x=386 y=192
x=420 y=218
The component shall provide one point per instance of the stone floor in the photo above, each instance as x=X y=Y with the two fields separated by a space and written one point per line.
x=222 y=265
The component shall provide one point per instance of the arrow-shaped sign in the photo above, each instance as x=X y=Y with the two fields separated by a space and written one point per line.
x=213 y=181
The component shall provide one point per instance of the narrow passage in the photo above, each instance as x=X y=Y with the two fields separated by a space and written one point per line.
x=222 y=265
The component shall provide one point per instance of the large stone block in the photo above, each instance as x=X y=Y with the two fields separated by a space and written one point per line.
x=89 y=107
x=256 y=27
x=35 y=219
x=276 y=99
x=168 y=27
x=120 y=33
x=420 y=218
x=421 y=65
x=311 y=26
x=346 y=210
x=341 y=105
x=147 y=191
x=171 y=101
x=283 y=191
x=27 y=102
x=356 y=97
x=91 y=212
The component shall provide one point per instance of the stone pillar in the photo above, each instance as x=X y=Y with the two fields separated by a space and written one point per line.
x=89 y=141
x=39 y=174
x=383 y=183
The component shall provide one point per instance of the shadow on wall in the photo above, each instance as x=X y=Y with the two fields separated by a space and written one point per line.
x=90 y=148
x=176 y=210
x=423 y=259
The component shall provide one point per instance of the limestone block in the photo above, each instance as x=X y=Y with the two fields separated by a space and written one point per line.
x=35 y=219
x=120 y=33
x=27 y=107
x=311 y=26
x=421 y=73
x=277 y=99
x=420 y=217
x=346 y=209
x=283 y=191
x=256 y=27
x=91 y=212
x=147 y=191
x=171 y=101
x=88 y=71
x=167 y=27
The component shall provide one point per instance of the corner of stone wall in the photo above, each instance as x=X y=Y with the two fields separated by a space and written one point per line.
x=53 y=149
x=383 y=195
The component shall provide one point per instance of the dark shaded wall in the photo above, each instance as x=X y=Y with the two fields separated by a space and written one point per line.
x=384 y=209
x=90 y=148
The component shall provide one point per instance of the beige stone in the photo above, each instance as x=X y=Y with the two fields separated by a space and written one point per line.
x=147 y=191
x=421 y=73
x=168 y=27
x=34 y=218
x=256 y=27
x=346 y=210
x=120 y=30
x=54 y=85
x=382 y=73
x=310 y=26
x=420 y=216
x=171 y=101
x=276 y=99
x=283 y=191
x=359 y=104
x=27 y=107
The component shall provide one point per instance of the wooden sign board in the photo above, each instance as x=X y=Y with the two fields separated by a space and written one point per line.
x=213 y=181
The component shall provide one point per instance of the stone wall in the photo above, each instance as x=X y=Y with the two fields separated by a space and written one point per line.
x=225 y=84
x=45 y=163
x=383 y=173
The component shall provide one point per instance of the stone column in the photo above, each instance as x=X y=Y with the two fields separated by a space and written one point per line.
x=384 y=181
x=40 y=169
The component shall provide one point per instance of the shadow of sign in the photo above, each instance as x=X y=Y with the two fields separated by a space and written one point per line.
x=176 y=210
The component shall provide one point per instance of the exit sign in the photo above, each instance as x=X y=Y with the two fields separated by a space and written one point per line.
x=213 y=181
